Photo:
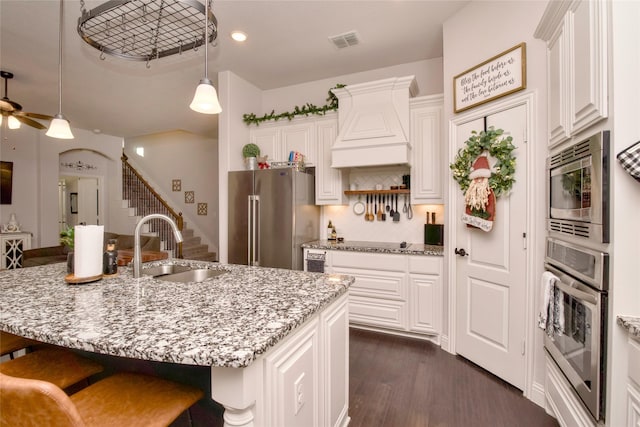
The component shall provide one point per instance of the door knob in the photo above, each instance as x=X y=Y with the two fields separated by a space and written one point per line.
x=460 y=252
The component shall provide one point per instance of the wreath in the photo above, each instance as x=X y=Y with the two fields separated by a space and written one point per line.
x=498 y=147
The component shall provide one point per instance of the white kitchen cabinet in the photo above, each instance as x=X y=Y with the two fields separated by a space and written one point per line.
x=633 y=384
x=308 y=383
x=278 y=139
x=13 y=247
x=330 y=182
x=576 y=36
x=427 y=141
x=425 y=295
x=393 y=293
x=293 y=375
x=313 y=137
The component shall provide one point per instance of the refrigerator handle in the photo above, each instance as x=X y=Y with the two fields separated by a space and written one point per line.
x=249 y=228
x=256 y=232
x=252 y=232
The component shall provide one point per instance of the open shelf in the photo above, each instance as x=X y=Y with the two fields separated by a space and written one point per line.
x=364 y=192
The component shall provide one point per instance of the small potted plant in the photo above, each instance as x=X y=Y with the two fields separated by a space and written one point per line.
x=67 y=240
x=250 y=152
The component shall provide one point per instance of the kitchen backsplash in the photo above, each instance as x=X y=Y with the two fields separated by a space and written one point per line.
x=354 y=227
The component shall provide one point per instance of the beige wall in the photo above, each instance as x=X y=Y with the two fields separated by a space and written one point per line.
x=478 y=32
x=193 y=159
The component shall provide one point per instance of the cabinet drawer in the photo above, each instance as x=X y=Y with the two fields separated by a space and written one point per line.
x=369 y=261
x=425 y=265
x=379 y=284
x=374 y=312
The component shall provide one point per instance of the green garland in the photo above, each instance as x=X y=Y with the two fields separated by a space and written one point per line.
x=501 y=149
x=308 y=108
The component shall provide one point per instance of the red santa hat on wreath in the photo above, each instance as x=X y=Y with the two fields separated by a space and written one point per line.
x=480 y=168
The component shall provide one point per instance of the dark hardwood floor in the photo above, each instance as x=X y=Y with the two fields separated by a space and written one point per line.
x=404 y=382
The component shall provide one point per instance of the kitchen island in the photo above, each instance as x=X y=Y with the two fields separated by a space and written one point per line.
x=276 y=340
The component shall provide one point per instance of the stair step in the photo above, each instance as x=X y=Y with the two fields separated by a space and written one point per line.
x=204 y=256
x=187 y=233
x=193 y=250
x=190 y=241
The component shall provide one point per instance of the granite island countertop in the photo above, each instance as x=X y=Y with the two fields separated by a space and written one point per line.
x=226 y=321
x=376 y=247
x=631 y=324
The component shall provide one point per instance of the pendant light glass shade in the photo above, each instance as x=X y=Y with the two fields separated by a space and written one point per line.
x=205 y=99
x=59 y=127
x=13 y=123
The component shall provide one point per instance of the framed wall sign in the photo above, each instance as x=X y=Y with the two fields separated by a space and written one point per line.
x=499 y=76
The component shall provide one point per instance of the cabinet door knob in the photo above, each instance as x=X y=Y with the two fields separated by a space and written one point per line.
x=460 y=252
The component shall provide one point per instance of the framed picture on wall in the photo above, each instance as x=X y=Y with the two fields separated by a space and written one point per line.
x=6 y=182
x=73 y=202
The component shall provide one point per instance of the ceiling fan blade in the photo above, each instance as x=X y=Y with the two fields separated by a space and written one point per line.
x=29 y=122
x=33 y=115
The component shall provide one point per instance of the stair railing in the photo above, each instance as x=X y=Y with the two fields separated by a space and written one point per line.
x=147 y=201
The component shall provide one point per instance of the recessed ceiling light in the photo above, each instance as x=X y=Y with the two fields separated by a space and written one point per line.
x=238 y=36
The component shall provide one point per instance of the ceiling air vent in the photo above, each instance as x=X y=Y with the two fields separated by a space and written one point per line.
x=345 y=39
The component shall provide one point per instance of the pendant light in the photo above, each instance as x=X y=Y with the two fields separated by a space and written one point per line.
x=206 y=99
x=59 y=127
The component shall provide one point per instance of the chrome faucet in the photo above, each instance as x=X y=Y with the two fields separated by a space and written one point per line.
x=137 y=250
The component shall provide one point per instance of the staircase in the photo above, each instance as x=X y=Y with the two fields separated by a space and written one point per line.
x=141 y=199
x=193 y=249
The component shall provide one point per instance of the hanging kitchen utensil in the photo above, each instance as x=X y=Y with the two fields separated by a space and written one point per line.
x=391 y=212
x=409 y=210
x=371 y=211
x=396 y=214
x=384 y=200
x=358 y=207
x=379 y=207
x=366 y=214
x=404 y=208
x=388 y=207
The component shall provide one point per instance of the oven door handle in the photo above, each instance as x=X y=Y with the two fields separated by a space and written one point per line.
x=565 y=283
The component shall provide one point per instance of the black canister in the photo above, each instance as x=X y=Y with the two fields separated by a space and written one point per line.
x=434 y=234
x=110 y=259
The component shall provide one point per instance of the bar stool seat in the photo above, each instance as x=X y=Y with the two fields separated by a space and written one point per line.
x=60 y=367
x=124 y=399
x=10 y=343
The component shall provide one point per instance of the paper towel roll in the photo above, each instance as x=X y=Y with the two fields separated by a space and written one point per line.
x=88 y=249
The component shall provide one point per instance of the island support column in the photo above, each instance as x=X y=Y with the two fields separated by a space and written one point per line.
x=236 y=389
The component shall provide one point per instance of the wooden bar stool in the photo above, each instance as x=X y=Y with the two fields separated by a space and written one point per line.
x=10 y=343
x=123 y=399
x=61 y=367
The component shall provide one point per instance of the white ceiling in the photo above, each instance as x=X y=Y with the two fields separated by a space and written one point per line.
x=288 y=44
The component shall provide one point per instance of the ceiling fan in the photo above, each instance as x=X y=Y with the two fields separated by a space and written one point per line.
x=8 y=108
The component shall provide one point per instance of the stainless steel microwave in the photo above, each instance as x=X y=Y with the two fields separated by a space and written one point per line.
x=578 y=189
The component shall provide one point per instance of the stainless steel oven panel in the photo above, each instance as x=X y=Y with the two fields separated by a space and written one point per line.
x=593 y=397
x=595 y=224
x=590 y=214
x=586 y=264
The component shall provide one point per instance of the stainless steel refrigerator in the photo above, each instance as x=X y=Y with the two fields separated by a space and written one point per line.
x=272 y=212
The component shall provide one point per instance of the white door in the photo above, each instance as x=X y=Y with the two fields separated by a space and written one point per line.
x=88 y=197
x=491 y=278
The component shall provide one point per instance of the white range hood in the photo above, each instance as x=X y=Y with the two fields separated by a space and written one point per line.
x=373 y=120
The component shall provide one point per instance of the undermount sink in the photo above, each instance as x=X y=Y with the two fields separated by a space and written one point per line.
x=182 y=273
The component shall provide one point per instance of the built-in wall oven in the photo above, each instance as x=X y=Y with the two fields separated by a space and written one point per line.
x=578 y=345
x=578 y=189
